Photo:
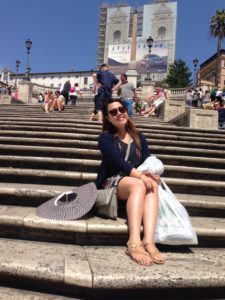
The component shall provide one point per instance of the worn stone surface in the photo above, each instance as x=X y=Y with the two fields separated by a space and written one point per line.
x=13 y=214
x=77 y=271
x=26 y=217
x=33 y=221
x=213 y=227
x=36 y=260
x=16 y=294
x=111 y=268
x=96 y=224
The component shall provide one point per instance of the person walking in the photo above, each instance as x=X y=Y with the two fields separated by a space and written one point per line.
x=66 y=90
x=74 y=91
x=140 y=191
x=106 y=81
x=127 y=92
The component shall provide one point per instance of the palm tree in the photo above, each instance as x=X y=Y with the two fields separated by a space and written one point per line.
x=217 y=30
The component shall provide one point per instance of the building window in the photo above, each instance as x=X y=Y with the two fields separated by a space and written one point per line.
x=85 y=80
x=162 y=32
x=117 y=36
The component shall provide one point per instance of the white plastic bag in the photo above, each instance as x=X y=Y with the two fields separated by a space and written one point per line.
x=173 y=225
x=152 y=165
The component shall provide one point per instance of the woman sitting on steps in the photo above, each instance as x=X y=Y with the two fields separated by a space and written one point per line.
x=140 y=191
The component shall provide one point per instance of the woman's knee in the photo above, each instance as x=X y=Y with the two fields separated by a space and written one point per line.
x=138 y=185
x=128 y=186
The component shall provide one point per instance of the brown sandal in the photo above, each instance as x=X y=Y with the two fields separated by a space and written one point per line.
x=137 y=249
x=154 y=252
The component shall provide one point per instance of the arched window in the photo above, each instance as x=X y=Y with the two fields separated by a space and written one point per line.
x=116 y=36
x=162 y=32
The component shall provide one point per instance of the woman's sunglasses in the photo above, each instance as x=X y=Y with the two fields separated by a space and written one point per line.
x=114 y=112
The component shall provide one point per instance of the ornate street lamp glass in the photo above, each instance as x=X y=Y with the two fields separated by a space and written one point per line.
x=150 y=42
x=195 y=62
x=28 y=44
x=17 y=63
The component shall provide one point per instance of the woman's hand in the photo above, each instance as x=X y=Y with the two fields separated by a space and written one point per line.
x=149 y=182
x=156 y=178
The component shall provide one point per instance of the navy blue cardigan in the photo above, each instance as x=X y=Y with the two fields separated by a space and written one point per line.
x=113 y=161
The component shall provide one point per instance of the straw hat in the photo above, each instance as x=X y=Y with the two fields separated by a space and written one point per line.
x=70 y=205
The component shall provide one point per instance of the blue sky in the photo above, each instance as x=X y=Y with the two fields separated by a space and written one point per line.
x=64 y=32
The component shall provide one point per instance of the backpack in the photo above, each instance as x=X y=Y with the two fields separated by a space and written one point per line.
x=72 y=90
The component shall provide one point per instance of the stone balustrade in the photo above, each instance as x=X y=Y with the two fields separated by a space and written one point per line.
x=177 y=92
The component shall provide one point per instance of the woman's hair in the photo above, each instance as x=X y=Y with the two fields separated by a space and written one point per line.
x=109 y=127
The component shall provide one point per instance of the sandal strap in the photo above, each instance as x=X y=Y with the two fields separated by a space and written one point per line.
x=137 y=249
x=153 y=252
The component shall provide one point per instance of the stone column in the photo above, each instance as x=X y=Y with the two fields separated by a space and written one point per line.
x=132 y=73
x=25 y=91
x=147 y=89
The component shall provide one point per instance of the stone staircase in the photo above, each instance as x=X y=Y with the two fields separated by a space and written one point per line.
x=42 y=155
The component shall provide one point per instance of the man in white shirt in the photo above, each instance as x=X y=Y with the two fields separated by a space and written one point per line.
x=127 y=92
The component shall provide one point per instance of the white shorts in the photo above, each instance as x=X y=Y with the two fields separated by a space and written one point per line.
x=158 y=102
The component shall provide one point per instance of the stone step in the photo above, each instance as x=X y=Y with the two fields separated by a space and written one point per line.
x=88 y=272
x=88 y=165
x=22 y=223
x=151 y=128
x=152 y=137
x=71 y=141
x=7 y=293
x=32 y=195
x=70 y=178
x=12 y=149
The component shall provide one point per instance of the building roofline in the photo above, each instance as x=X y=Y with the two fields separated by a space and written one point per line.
x=57 y=73
x=213 y=57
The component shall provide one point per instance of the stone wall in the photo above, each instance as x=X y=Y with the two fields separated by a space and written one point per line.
x=197 y=118
x=5 y=99
x=171 y=108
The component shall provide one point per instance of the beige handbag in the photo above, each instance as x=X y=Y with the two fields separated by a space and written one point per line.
x=106 y=203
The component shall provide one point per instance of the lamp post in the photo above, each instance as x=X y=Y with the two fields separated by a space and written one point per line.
x=195 y=63
x=17 y=67
x=150 y=42
x=28 y=69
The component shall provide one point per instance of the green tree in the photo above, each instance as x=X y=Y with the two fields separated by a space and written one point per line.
x=217 y=30
x=179 y=75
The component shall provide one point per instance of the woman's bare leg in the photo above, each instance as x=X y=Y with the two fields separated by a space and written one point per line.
x=149 y=222
x=134 y=191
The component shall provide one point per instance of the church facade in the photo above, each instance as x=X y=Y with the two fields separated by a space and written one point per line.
x=123 y=34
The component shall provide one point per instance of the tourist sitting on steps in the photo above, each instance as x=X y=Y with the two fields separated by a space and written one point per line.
x=155 y=102
x=48 y=101
x=58 y=103
x=140 y=191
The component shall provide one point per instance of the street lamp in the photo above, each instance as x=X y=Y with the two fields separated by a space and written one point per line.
x=28 y=69
x=17 y=67
x=150 y=42
x=195 y=63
